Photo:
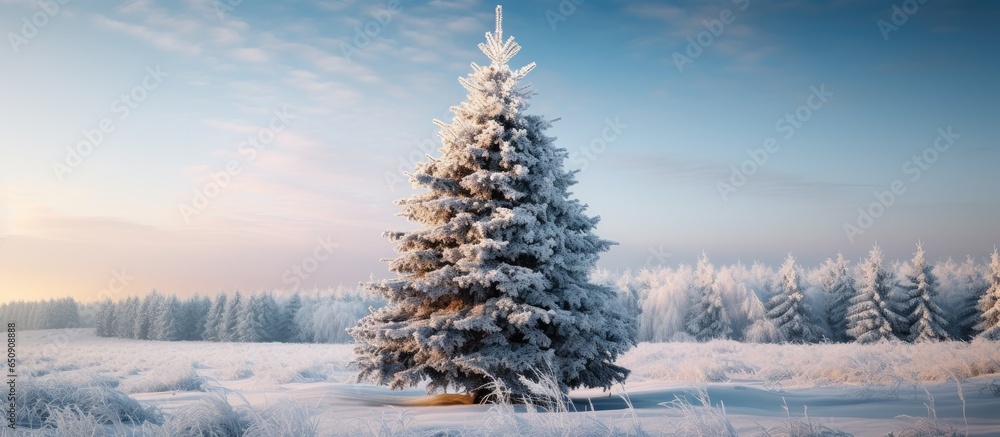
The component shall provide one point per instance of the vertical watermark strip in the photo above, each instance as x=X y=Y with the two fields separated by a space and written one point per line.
x=12 y=375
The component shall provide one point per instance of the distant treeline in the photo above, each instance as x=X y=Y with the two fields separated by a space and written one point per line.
x=837 y=302
x=868 y=301
x=45 y=314
x=238 y=317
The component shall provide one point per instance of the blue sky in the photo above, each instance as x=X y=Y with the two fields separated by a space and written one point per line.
x=333 y=115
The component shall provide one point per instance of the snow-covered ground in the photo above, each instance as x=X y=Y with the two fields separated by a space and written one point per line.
x=73 y=379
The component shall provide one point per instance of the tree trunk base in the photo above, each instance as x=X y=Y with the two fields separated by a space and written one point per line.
x=441 y=400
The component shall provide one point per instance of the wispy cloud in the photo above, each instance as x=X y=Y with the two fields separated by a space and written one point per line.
x=161 y=39
x=743 y=43
x=250 y=54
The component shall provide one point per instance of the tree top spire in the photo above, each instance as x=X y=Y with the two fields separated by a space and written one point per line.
x=499 y=30
x=495 y=48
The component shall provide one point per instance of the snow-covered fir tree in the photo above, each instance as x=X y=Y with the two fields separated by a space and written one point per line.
x=787 y=309
x=493 y=286
x=148 y=312
x=898 y=301
x=973 y=283
x=835 y=279
x=193 y=313
x=117 y=319
x=249 y=327
x=68 y=315
x=918 y=287
x=288 y=330
x=989 y=304
x=871 y=317
x=128 y=314
x=628 y=298
x=707 y=317
x=761 y=330
x=230 y=317
x=271 y=317
x=214 y=318
x=165 y=324
x=105 y=319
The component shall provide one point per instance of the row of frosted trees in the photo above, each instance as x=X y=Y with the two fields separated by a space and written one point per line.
x=909 y=301
x=44 y=314
x=867 y=302
x=236 y=317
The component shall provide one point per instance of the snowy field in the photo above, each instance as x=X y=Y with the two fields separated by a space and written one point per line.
x=85 y=385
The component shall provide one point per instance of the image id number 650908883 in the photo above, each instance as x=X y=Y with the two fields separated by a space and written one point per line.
x=11 y=375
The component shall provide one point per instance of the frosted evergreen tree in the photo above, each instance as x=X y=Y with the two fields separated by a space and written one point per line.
x=128 y=315
x=972 y=290
x=270 y=317
x=193 y=313
x=870 y=317
x=288 y=329
x=989 y=304
x=105 y=318
x=835 y=280
x=69 y=314
x=248 y=326
x=165 y=325
x=147 y=313
x=919 y=289
x=707 y=318
x=787 y=309
x=899 y=302
x=494 y=285
x=257 y=319
x=214 y=318
x=230 y=317
x=628 y=298
x=117 y=324
x=258 y=315
x=205 y=304
x=761 y=330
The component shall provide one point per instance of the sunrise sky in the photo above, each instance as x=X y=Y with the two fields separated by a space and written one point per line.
x=336 y=114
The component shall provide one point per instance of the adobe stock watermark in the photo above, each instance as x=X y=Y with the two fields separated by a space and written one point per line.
x=301 y=271
x=408 y=162
x=915 y=167
x=713 y=29
x=53 y=343
x=247 y=149
x=563 y=10
x=370 y=31
x=898 y=17
x=223 y=7
x=788 y=125
x=609 y=134
x=117 y=284
x=658 y=257
x=47 y=10
x=122 y=107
